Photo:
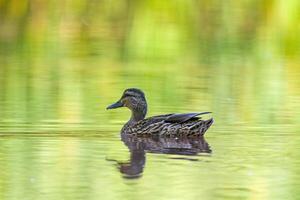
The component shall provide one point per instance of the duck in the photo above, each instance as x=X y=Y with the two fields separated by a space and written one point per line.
x=173 y=124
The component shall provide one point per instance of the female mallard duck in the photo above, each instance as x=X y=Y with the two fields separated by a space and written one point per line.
x=187 y=124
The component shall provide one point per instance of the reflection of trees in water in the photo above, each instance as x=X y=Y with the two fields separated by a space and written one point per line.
x=139 y=146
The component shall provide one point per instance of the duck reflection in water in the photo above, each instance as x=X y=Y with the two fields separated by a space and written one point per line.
x=139 y=146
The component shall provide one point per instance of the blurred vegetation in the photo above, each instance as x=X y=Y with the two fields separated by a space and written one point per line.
x=64 y=61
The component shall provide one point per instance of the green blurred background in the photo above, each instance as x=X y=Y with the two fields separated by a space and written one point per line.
x=62 y=62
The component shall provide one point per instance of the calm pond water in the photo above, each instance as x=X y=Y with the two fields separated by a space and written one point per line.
x=62 y=64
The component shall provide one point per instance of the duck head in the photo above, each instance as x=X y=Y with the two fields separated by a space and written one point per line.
x=135 y=100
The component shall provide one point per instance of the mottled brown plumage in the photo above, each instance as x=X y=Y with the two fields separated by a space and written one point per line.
x=187 y=124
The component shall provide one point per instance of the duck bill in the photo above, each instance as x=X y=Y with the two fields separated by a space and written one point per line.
x=118 y=104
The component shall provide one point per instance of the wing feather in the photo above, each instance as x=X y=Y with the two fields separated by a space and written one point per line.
x=180 y=118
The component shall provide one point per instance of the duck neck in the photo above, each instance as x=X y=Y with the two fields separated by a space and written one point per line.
x=138 y=113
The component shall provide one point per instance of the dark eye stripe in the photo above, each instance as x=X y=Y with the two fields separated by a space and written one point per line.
x=128 y=95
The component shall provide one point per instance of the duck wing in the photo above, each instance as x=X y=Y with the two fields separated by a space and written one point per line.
x=171 y=124
x=180 y=118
